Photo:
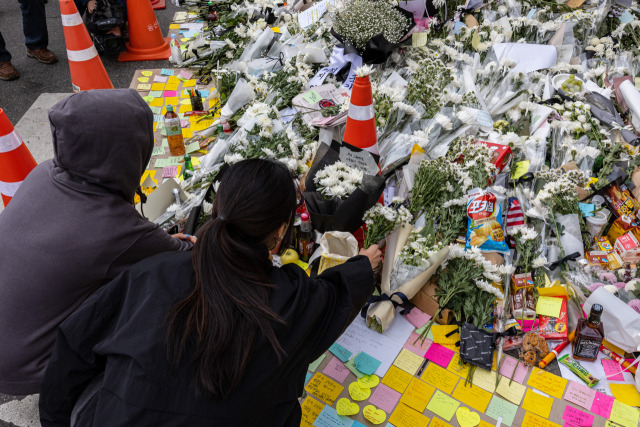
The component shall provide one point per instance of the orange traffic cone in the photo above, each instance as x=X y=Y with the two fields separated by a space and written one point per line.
x=158 y=4
x=15 y=159
x=361 y=123
x=145 y=38
x=87 y=71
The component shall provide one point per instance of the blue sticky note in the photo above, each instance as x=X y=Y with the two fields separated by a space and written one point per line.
x=166 y=72
x=626 y=17
x=456 y=28
x=330 y=418
x=204 y=93
x=367 y=364
x=531 y=12
x=157 y=117
x=307 y=377
x=340 y=352
x=587 y=209
x=357 y=424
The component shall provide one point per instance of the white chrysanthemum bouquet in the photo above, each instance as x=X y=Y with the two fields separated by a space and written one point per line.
x=337 y=180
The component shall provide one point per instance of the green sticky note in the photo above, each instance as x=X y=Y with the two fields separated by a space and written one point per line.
x=156 y=110
x=312 y=97
x=500 y=408
x=351 y=365
x=194 y=146
x=174 y=161
x=520 y=169
x=475 y=41
x=314 y=365
x=160 y=163
x=165 y=142
x=443 y=405
x=158 y=151
x=155 y=94
x=147 y=99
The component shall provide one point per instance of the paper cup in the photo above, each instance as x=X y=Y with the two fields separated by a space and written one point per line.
x=596 y=223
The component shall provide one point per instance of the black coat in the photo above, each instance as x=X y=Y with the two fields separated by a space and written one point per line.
x=121 y=330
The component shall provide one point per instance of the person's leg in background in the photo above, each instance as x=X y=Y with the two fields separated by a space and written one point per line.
x=7 y=71
x=34 y=25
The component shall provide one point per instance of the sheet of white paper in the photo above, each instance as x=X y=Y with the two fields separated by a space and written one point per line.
x=383 y=346
x=528 y=57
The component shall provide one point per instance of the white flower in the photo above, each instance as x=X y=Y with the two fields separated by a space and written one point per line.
x=539 y=262
x=444 y=121
x=364 y=71
x=611 y=288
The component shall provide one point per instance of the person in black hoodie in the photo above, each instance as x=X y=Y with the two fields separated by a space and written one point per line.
x=71 y=226
x=215 y=337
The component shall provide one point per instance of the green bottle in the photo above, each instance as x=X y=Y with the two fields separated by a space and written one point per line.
x=188 y=171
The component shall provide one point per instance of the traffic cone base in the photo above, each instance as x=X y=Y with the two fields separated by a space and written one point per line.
x=158 y=4
x=15 y=159
x=159 y=53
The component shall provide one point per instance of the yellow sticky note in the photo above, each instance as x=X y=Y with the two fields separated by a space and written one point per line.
x=440 y=378
x=417 y=395
x=520 y=169
x=404 y=416
x=443 y=405
x=155 y=126
x=548 y=383
x=143 y=79
x=189 y=83
x=157 y=86
x=624 y=415
x=408 y=361
x=549 y=306
x=157 y=102
x=173 y=80
x=396 y=379
x=311 y=408
x=186 y=101
x=437 y=422
x=174 y=26
x=485 y=379
x=440 y=333
x=147 y=73
x=323 y=388
x=171 y=86
x=626 y=393
x=475 y=40
x=537 y=403
x=483 y=423
x=472 y=396
x=531 y=420
x=185 y=108
x=512 y=392
x=144 y=87
x=458 y=367
x=171 y=100
x=276 y=30
x=187 y=133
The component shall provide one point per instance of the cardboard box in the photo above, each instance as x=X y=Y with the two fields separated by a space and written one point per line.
x=521 y=281
x=628 y=247
x=501 y=154
x=427 y=301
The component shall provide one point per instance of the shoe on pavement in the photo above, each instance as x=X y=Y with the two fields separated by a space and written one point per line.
x=8 y=71
x=43 y=55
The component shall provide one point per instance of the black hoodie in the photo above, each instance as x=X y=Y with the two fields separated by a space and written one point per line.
x=71 y=226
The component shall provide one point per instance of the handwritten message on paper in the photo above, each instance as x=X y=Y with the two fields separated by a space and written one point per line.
x=417 y=347
x=485 y=379
x=577 y=417
x=366 y=363
x=500 y=408
x=404 y=416
x=443 y=405
x=417 y=317
x=602 y=404
x=580 y=394
x=336 y=370
x=323 y=388
x=472 y=396
x=457 y=367
x=511 y=390
x=328 y=417
x=311 y=408
x=417 y=395
x=624 y=415
x=408 y=361
x=340 y=352
x=397 y=379
x=612 y=368
x=537 y=403
x=440 y=378
x=439 y=354
x=532 y=420
x=385 y=398
x=547 y=382
x=512 y=368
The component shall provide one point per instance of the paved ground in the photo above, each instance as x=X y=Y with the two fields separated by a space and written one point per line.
x=26 y=102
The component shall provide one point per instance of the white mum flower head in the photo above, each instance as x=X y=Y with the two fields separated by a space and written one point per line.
x=364 y=71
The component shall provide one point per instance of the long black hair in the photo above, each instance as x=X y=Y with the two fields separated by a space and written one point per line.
x=228 y=310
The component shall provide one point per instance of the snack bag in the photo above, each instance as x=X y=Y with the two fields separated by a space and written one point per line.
x=485 y=229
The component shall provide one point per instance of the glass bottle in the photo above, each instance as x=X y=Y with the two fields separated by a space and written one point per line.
x=188 y=170
x=589 y=336
x=174 y=132
x=305 y=238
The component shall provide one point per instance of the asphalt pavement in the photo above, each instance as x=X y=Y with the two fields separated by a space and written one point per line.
x=26 y=102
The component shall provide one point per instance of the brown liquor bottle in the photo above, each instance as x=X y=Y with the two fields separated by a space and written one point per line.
x=589 y=336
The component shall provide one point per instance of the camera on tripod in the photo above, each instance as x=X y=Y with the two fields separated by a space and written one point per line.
x=106 y=26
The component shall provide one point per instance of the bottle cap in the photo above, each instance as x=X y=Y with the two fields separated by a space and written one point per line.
x=304 y=217
x=597 y=309
x=169 y=107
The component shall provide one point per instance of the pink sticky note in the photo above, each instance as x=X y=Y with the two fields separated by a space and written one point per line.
x=169 y=171
x=580 y=394
x=336 y=370
x=576 y=416
x=417 y=317
x=528 y=325
x=439 y=355
x=385 y=398
x=602 y=404
x=511 y=368
x=160 y=79
x=170 y=93
x=185 y=75
x=184 y=123
x=417 y=348
x=612 y=368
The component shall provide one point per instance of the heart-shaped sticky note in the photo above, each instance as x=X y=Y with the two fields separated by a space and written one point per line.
x=369 y=381
x=347 y=407
x=466 y=418
x=147 y=73
x=143 y=79
x=358 y=393
x=374 y=415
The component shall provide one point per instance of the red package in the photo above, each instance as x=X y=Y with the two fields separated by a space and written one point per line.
x=501 y=154
x=555 y=328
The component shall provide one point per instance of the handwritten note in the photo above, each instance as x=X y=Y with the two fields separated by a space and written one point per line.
x=485 y=379
x=612 y=368
x=169 y=171
x=385 y=398
x=323 y=388
x=440 y=333
x=408 y=361
x=443 y=405
x=549 y=306
x=417 y=317
x=537 y=403
x=577 y=417
x=328 y=417
x=340 y=352
x=580 y=394
x=440 y=378
x=532 y=420
x=547 y=382
x=511 y=390
x=439 y=354
x=366 y=363
x=417 y=395
x=474 y=397
x=624 y=415
x=351 y=365
x=147 y=73
x=336 y=370
x=194 y=146
x=144 y=87
x=625 y=393
x=512 y=368
x=500 y=408
x=397 y=379
x=602 y=404
x=419 y=348
x=184 y=74
x=404 y=416
x=458 y=367
x=312 y=96
x=314 y=365
x=166 y=72
x=311 y=408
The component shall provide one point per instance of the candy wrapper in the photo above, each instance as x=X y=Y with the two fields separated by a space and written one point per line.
x=485 y=228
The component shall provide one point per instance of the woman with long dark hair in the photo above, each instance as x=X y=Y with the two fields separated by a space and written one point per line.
x=216 y=337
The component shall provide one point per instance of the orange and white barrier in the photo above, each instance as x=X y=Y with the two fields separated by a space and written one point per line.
x=87 y=71
x=16 y=160
x=361 y=123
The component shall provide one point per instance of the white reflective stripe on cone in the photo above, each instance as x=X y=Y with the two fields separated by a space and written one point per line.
x=360 y=113
x=10 y=142
x=9 y=188
x=71 y=20
x=82 y=55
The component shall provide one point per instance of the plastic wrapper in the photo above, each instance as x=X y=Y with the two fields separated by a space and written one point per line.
x=485 y=223
x=621 y=322
x=571 y=237
x=241 y=95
